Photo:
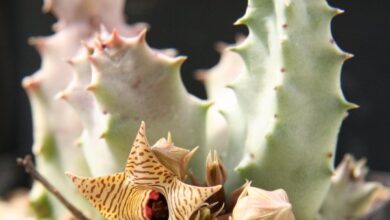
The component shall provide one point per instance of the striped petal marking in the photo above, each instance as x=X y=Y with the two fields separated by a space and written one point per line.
x=124 y=196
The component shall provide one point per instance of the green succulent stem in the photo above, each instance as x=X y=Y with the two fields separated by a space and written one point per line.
x=289 y=100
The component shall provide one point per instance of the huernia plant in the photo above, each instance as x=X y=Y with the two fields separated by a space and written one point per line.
x=274 y=110
x=126 y=195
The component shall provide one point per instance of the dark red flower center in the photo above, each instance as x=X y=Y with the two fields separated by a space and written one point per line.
x=156 y=207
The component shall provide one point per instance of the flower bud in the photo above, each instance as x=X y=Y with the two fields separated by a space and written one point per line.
x=206 y=212
x=215 y=170
x=258 y=204
x=203 y=213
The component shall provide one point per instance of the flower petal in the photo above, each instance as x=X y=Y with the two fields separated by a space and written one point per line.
x=143 y=175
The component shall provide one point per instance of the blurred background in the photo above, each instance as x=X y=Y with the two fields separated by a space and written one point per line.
x=193 y=27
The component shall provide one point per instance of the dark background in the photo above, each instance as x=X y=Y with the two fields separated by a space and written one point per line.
x=193 y=27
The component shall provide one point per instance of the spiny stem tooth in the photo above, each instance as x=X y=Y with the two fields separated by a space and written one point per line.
x=91 y=87
x=339 y=11
x=178 y=61
x=201 y=75
x=38 y=43
x=347 y=56
x=221 y=46
x=115 y=40
x=103 y=135
x=141 y=38
x=61 y=95
x=47 y=6
x=78 y=142
x=31 y=84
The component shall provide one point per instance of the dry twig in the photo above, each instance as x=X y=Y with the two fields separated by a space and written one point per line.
x=28 y=165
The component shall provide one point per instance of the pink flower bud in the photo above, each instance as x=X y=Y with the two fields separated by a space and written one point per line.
x=258 y=204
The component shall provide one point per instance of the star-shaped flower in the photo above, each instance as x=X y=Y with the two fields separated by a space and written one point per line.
x=126 y=195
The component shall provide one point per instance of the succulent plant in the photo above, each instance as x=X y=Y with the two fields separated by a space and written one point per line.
x=349 y=193
x=274 y=110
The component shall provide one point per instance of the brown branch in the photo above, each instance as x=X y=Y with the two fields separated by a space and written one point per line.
x=28 y=165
